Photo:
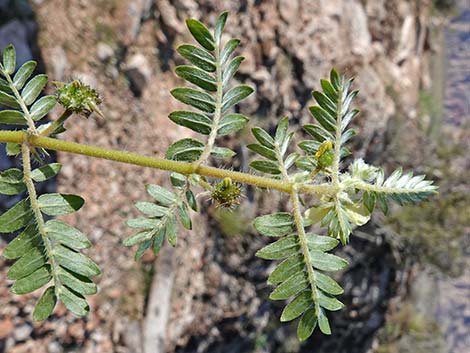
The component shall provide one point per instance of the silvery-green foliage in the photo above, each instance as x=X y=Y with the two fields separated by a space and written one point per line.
x=303 y=275
x=46 y=254
x=213 y=67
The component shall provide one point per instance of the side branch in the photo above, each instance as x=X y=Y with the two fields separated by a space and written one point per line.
x=159 y=163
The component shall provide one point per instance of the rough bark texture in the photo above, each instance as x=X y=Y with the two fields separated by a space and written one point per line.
x=218 y=299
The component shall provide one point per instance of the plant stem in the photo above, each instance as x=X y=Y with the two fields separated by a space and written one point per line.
x=160 y=163
x=24 y=108
x=25 y=153
x=54 y=125
x=217 y=114
x=338 y=131
x=294 y=196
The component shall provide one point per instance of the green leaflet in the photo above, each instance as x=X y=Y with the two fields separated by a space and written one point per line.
x=222 y=152
x=150 y=209
x=279 y=249
x=184 y=216
x=46 y=172
x=297 y=306
x=75 y=261
x=323 y=117
x=235 y=95
x=194 y=121
x=9 y=59
x=143 y=223
x=199 y=57
x=158 y=241
x=43 y=106
x=16 y=217
x=191 y=199
x=27 y=264
x=287 y=268
x=139 y=237
x=327 y=284
x=80 y=284
x=33 y=88
x=170 y=230
x=163 y=196
x=23 y=74
x=143 y=247
x=292 y=286
x=327 y=262
x=59 y=204
x=75 y=302
x=198 y=77
x=263 y=151
x=45 y=305
x=66 y=235
x=13 y=149
x=268 y=167
x=228 y=50
x=316 y=214
x=281 y=131
x=321 y=243
x=8 y=100
x=263 y=137
x=275 y=225
x=231 y=69
x=307 y=324
x=318 y=133
x=195 y=98
x=187 y=149
x=231 y=123
x=219 y=26
x=12 y=117
x=201 y=34
x=323 y=323
x=11 y=182
x=24 y=242
x=328 y=302
x=35 y=280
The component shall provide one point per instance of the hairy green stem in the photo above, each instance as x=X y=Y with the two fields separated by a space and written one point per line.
x=337 y=150
x=24 y=108
x=299 y=224
x=160 y=163
x=217 y=114
x=25 y=153
x=56 y=123
x=294 y=196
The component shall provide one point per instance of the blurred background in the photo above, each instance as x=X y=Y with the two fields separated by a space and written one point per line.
x=408 y=286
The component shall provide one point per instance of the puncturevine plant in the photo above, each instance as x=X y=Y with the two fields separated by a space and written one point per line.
x=47 y=251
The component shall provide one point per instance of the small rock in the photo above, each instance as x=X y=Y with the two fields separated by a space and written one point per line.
x=138 y=72
x=357 y=28
x=22 y=333
x=104 y=51
x=6 y=327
